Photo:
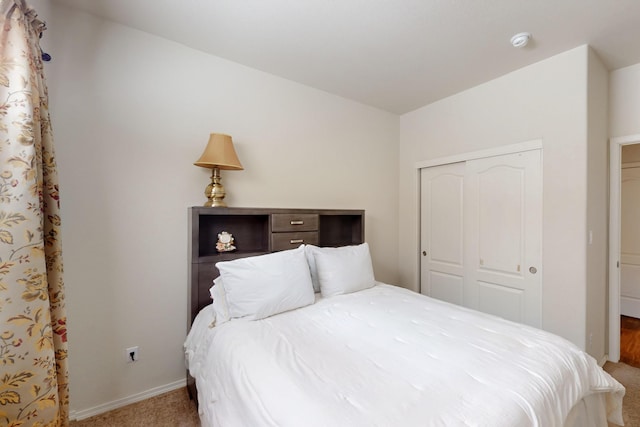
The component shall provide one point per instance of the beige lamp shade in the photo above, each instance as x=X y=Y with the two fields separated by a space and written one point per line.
x=219 y=153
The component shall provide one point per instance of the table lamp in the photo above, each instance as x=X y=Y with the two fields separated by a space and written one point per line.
x=219 y=154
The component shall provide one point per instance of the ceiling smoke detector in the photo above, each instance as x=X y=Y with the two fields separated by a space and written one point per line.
x=520 y=39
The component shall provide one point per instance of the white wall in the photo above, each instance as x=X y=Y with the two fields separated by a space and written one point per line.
x=597 y=207
x=546 y=100
x=624 y=100
x=131 y=112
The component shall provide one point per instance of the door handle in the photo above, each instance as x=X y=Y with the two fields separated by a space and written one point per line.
x=533 y=270
x=424 y=253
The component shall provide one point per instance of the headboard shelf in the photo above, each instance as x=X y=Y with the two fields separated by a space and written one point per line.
x=251 y=232
x=340 y=230
x=228 y=256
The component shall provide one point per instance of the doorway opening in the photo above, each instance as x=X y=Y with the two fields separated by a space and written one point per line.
x=624 y=250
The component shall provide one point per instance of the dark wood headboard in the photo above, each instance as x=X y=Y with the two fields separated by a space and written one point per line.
x=259 y=231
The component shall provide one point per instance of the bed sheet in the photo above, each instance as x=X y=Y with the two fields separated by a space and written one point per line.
x=387 y=356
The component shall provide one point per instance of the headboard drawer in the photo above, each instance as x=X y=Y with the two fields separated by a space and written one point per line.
x=283 y=241
x=294 y=222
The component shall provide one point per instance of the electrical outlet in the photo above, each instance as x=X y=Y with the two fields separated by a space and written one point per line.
x=131 y=354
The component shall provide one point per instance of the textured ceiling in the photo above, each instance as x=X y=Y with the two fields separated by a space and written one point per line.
x=396 y=55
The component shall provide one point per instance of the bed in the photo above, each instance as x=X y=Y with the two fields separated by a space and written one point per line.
x=307 y=337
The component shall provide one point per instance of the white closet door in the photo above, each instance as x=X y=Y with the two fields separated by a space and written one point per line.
x=630 y=243
x=503 y=220
x=442 y=245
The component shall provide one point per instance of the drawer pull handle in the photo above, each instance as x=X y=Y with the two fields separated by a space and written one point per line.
x=295 y=241
x=297 y=222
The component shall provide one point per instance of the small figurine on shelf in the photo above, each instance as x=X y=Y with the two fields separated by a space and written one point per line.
x=225 y=242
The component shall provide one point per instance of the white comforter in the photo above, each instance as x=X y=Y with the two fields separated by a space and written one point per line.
x=386 y=356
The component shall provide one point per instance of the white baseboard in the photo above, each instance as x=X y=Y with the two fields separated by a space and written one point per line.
x=119 y=403
x=604 y=360
x=629 y=306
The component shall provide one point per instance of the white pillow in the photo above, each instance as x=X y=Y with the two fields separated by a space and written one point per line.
x=343 y=270
x=308 y=251
x=219 y=297
x=261 y=286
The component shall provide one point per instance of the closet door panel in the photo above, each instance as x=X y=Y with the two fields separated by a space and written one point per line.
x=503 y=220
x=446 y=287
x=500 y=219
x=500 y=300
x=442 y=250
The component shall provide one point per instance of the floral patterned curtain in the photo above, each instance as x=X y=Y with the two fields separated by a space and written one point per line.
x=33 y=348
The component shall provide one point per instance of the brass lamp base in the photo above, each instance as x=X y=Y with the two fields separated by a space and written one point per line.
x=215 y=191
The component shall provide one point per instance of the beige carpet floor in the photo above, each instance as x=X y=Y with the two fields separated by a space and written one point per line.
x=174 y=409
x=629 y=377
